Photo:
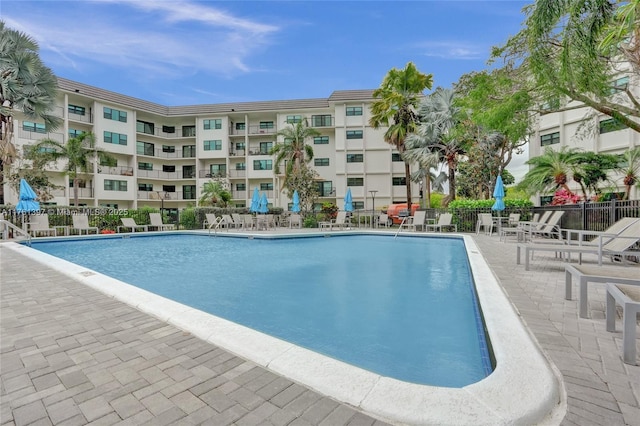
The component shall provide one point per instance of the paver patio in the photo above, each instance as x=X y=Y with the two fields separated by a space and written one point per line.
x=71 y=356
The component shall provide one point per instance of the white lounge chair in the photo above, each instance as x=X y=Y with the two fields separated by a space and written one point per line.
x=550 y=229
x=585 y=274
x=39 y=224
x=295 y=220
x=130 y=223
x=339 y=222
x=81 y=223
x=212 y=221
x=416 y=221
x=619 y=245
x=156 y=222
x=444 y=221
x=610 y=232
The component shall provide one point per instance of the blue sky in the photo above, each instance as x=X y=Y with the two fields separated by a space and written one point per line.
x=177 y=52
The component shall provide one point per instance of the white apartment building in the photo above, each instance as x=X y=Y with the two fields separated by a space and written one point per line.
x=166 y=153
x=588 y=130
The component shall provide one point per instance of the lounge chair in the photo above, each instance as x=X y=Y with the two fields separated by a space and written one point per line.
x=416 y=221
x=526 y=227
x=444 y=221
x=238 y=220
x=156 y=222
x=295 y=220
x=248 y=221
x=81 y=223
x=627 y=296
x=585 y=274
x=383 y=220
x=550 y=229
x=130 y=223
x=620 y=245
x=485 y=221
x=39 y=224
x=228 y=222
x=212 y=221
x=611 y=232
x=339 y=222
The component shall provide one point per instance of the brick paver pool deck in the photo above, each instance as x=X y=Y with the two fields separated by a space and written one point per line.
x=70 y=355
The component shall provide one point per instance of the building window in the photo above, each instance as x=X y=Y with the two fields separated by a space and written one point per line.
x=619 y=85
x=358 y=205
x=241 y=166
x=550 y=139
x=168 y=129
x=354 y=134
x=240 y=126
x=611 y=125
x=262 y=164
x=213 y=124
x=29 y=126
x=353 y=181
x=551 y=105
x=320 y=140
x=395 y=156
x=115 y=114
x=293 y=119
x=325 y=188
x=77 y=110
x=148 y=187
x=355 y=158
x=320 y=161
x=265 y=147
x=266 y=125
x=168 y=188
x=188 y=192
x=546 y=200
x=240 y=146
x=188 y=151
x=354 y=110
x=168 y=169
x=145 y=127
x=241 y=186
x=115 y=185
x=115 y=138
x=188 y=131
x=168 y=148
x=266 y=186
x=399 y=181
x=74 y=133
x=145 y=148
x=188 y=172
x=321 y=120
x=218 y=169
x=145 y=166
x=214 y=145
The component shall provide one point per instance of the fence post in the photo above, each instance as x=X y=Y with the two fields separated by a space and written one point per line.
x=583 y=212
x=612 y=211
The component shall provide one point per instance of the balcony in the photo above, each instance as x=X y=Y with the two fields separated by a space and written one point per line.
x=82 y=193
x=116 y=170
x=158 y=174
x=37 y=136
x=239 y=195
x=321 y=121
x=80 y=118
x=166 y=132
x=166 y=196
x=236 y=173
x=160 y=153
x=208 y=174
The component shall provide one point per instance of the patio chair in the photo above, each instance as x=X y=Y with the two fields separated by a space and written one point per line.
x=444 y=221
x=238 y=220
x=550 y=229
x=228 y=222
x=627 y=296
x=130 y=223
x=485 y=221
x=416 y=221
x=248 y=221
x=619 y=247
x=295 y=220
x=383 y=220
x=585 y=274
x=339 y=222
x=39 y=224
x=81 y=223
x=156 y=222
x=211 y=221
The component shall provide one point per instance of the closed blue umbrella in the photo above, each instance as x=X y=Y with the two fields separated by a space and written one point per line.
x=255 y=201
x=348 y=201
x=498 y=194
x=27 y=203
x=264 y=204
x=296 y=202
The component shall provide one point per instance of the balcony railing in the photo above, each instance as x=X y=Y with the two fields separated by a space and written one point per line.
x=82 y=192
x=239 y=195
x=166 y=196
x=87 y=118
x=208 y=174
x=158 y=174
x=25 y=134
x=186 y=132
x=235 y=173
x=160 y=153
x=116 y=170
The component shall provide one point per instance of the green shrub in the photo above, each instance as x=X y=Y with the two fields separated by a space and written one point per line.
x=310 y=222
x=188 y=219
x=482 y=204
x=436 y=200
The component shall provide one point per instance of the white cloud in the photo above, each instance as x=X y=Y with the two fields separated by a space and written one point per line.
x=452 y=50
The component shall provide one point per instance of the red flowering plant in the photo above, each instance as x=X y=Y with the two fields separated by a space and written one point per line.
x=563 y=196
x=107 y=231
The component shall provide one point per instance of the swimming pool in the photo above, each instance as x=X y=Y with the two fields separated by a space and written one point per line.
x=403 y=308
x=523 y=388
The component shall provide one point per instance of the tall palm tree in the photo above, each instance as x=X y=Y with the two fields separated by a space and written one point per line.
x=78 y=152
x=631 y=169
x=551 y=170
x=395 y=106
x=214 y=193
x=437 y=134
x=294 y=151
x=26 y=85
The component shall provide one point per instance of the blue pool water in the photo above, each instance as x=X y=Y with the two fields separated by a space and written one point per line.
x=403 y=308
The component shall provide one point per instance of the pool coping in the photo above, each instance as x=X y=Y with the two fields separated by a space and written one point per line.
x=524 y=387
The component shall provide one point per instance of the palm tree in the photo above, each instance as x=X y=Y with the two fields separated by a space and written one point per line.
x=79 y=152
x=215 y=194
x=294 y=151
x=27 y=85
x=630 y=169
x=437 y=134
x=395 y=106
x=551 y=170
